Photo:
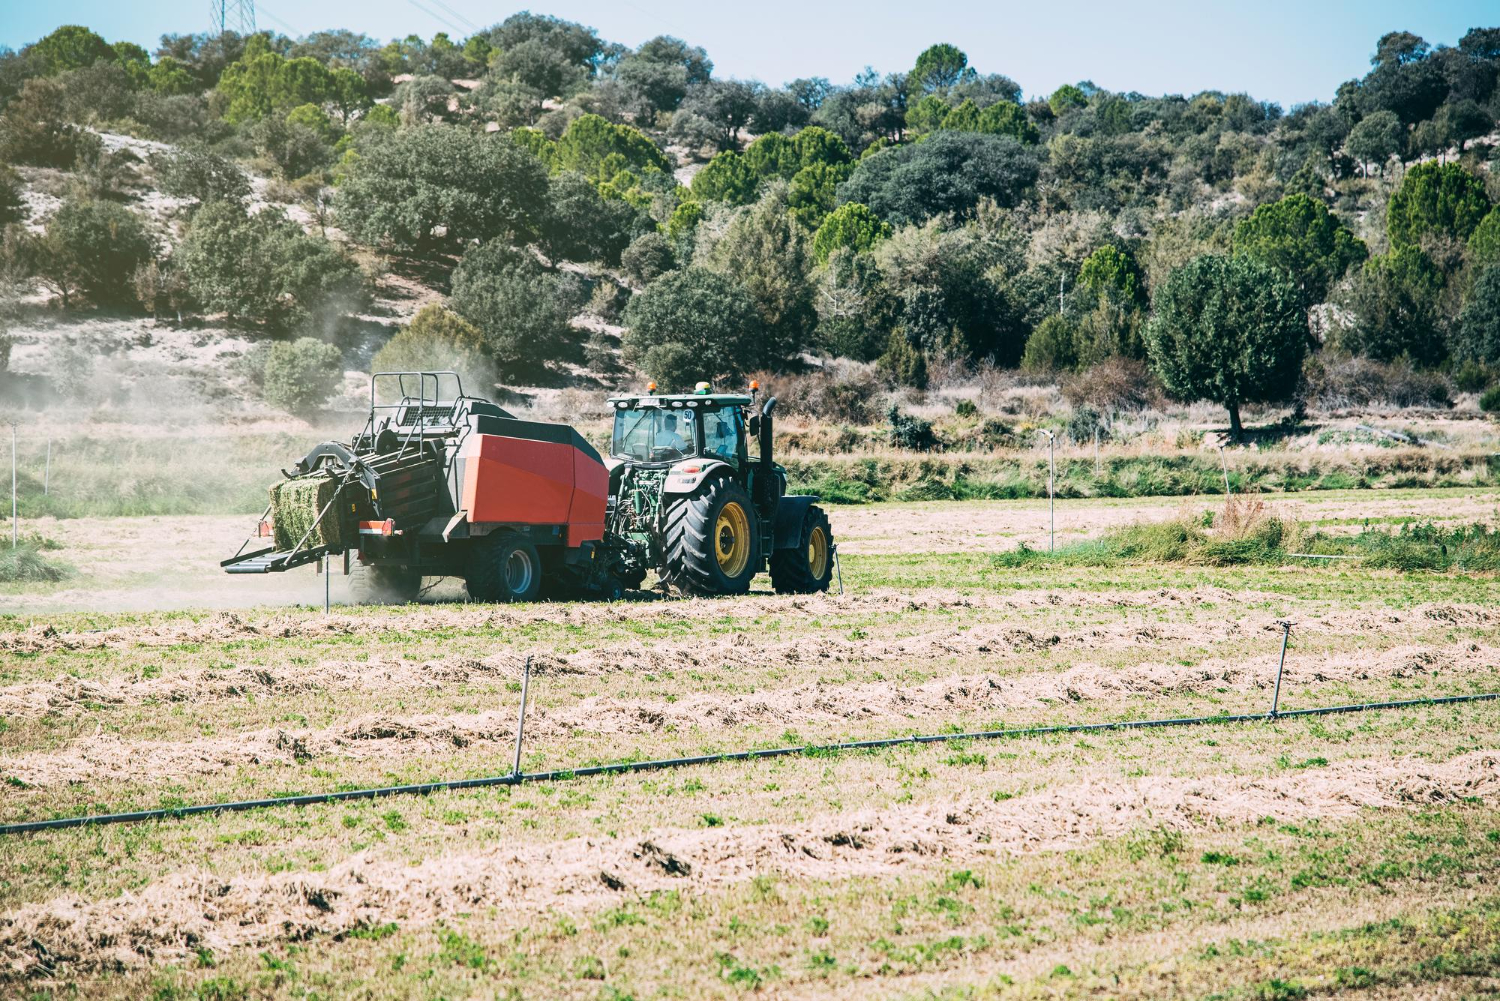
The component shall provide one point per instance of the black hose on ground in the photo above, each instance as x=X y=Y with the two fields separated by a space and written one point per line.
x=625 y=767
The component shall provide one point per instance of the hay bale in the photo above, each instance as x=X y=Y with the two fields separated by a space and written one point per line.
x=295 y=505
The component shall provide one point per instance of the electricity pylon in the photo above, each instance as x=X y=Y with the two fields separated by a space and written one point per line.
x=233 y=15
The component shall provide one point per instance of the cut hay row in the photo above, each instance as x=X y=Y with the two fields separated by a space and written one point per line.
x=70 y=695
x=169 y=919
x=875 y=708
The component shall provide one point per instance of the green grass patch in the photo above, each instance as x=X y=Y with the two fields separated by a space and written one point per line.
x=25 y=563
x=1257 y=539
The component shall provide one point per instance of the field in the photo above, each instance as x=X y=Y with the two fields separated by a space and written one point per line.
x=1353 y=855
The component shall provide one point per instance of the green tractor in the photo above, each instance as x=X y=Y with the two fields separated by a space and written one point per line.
x=689 y=499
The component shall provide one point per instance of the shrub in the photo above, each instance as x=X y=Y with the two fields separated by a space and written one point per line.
x=1472 y=377
x=948 y=173
x=1050 y=347
x=12 y=205
x=765 y=252
x=607 y=301
x=302 y=374
x=406 y=185
x=195 y=172
x=438 y=339
x=1490 y=401
x=1113 y=385
x=647 y=258
x=707 y=314
x=1393 y=303
x=599 y=354
x=1337 y=383
x=909 y=431
x=851 y=226
x=294 y=149
x=93 y=247
x=904 y=364
x=1084 y=423
x=849 y=395
x=1478 y=335
x=264 y=268
x=33 y=129
x=521 y=308
x=674 y=366
x=582 y=225
x=1435 y=198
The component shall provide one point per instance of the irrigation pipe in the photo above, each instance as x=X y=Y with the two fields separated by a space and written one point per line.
x=627 y=767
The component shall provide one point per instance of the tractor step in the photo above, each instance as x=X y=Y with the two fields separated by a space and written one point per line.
x=271 y=561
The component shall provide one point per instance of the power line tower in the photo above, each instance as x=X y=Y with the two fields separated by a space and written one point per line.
x=233 y=15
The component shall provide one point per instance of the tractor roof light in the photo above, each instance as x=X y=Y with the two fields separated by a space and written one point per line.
x=650 y=387
x=702 y=389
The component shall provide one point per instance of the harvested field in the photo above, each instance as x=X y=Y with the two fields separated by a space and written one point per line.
x=1350 y=855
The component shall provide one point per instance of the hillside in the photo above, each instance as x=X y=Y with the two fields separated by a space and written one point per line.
x=580 y=216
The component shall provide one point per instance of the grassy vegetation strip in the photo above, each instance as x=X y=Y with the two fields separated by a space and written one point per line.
x=136 y=476
x=155 y=925
x=856 y=479
x=1247 y=532
x=152 y=476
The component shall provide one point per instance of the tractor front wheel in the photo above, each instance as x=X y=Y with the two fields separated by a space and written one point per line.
x=809 y=567
x=503 y=567
x=712 y=541
x=381 y=584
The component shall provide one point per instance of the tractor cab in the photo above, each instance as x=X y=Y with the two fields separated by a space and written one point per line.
x=667 y=429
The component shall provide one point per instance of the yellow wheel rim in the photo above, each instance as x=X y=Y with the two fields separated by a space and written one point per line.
x=732 y=539
x=817 y=553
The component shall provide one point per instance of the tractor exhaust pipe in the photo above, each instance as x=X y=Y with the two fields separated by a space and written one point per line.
x=765 y=431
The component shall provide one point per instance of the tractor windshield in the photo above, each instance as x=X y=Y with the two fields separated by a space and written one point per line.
x=654 y=435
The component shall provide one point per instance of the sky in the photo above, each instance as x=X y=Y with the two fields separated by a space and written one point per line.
x=1288 y=51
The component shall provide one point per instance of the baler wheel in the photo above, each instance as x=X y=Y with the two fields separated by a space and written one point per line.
x=712 y=542
x=373 y=584
x=809 y=567
x=504 y=567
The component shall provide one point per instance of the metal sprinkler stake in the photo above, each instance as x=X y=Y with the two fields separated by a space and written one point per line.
x=1052 y=489
x=15 y=520
x=1286 y=634
x=521 y=723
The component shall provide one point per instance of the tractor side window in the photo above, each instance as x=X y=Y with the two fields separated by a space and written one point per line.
x=721 y=436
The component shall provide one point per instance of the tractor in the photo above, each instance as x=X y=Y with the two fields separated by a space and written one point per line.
x=689 y=499
x=439 y=483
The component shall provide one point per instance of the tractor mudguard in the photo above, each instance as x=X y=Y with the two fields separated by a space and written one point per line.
x=689 y=474
x=790 y=514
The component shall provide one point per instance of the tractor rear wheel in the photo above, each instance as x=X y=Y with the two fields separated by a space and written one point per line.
x=809 y=567
x=712 y=541
x=382 y=584
x=503 y=567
